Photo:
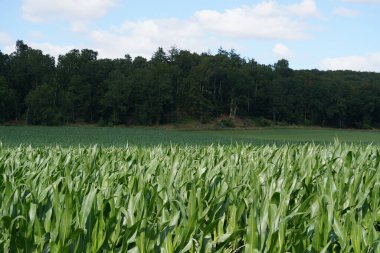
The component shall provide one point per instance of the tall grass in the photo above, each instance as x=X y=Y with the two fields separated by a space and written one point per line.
x=300 y=198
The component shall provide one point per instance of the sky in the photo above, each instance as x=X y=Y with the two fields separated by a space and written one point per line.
x=310 y=34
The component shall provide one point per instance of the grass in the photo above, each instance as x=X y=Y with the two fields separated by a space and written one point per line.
x=318 y=135
x=121 y=136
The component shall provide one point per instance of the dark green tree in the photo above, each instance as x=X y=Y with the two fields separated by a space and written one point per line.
x=177 y=85
x=116 y=102
x=7 y=101
x=28 y=68
x=43 y=107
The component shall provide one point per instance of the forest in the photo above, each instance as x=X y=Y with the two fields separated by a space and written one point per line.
x=178 y=85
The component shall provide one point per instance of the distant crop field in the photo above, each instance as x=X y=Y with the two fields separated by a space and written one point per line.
x=236 y=198
x=121 y=136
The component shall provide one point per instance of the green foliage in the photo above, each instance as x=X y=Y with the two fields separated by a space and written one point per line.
x=117 y=100
x=171 y=84
x=263 y=122
x=242 y=198
x=42 y=106
x=7 y=101
x=226 y=123
x=27 y=69
x=120 y=136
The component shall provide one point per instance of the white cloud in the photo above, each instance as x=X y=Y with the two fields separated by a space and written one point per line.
x=79 y=26
x=207 y=28
x=282 y=52
x=341 y=11
x=161 y=28
x=144 y=37
x=370 y=62
x=267 y=20
x=111 y=45
x=305 y=8
x=5 y=43
x=70 y=10
x=8 y=49
x=5 y=38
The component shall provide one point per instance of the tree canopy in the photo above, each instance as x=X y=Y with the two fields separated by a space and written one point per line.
x=176 y=85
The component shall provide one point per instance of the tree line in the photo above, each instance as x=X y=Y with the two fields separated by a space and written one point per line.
x=177 y=85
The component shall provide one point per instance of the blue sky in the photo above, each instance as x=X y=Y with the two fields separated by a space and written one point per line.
x=328 y=34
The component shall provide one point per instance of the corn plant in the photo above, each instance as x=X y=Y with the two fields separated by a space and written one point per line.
x=242 y=198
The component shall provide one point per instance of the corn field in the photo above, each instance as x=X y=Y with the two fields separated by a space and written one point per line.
x=242 y=198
